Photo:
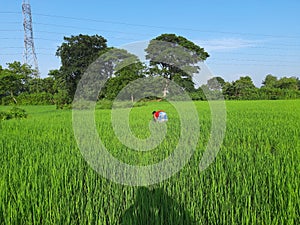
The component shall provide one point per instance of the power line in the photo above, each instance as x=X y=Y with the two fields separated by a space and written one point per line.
x=10 y=12
x=156 y=27
x=87 y=28
x=143 y=34
x=247 y=64
x=259 y=54
x=10 y=30
x=214 y=60
x=23 y=48
x=253 y=60
x=162 y=27
x=132 y=39
x=239 y=54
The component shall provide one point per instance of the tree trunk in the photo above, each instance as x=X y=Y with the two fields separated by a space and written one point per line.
x=13 y=97
x=165 y=91
x=132 y=99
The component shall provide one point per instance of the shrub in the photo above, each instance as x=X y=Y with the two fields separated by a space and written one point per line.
x=14 y=112
x=62 y=100
x=5 y=116
x=104 y=104
x=42 y=98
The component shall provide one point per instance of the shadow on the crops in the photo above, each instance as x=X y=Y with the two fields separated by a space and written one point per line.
x=155 y=207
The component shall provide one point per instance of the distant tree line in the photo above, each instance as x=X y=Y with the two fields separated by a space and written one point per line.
x=244 y=89
x=172 y=57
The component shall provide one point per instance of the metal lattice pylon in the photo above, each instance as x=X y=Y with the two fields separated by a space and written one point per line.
x=29 y=52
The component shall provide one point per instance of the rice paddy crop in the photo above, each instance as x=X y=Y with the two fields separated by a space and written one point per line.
x=254 y=180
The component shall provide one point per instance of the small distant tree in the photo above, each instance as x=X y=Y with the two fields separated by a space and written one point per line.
x=15 y=79
x=290 y=83
x=270 y=81
x=242 y=88
x=39 y=85
x=215 y=83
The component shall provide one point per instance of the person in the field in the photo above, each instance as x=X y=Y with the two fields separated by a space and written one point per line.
x=160 y=116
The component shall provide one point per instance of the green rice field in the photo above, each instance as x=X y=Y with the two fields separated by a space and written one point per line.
x=255 y=178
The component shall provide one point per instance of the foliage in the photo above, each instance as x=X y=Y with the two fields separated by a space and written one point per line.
x=14 y=112
x=40 y=85
x=5 y=115
x=104 y=104
x=287 y=83
x=108 y=104
x=76 y=54
x=14 y=80
x=215 y=83
x=38 y=98
x=241 y=89
x=62 y=99
x=18 y=112
x=270 y=81
x=277 y=93
x=127 y=68
x=197 y=95
x=175 y=58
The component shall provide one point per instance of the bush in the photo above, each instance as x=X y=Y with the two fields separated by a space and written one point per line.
x=104 y=104
x=7 y=100
x=62 y=100
x=82 y=104
x=5 y=116
x=14 y=112
x=108 y=104
x=198 y=96
x=42 y=98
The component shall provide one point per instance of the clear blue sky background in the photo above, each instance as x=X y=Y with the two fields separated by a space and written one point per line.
x=252 y=38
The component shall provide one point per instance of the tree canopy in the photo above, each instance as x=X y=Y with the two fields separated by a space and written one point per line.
x=15 y=79
x=76 y=54
x=175 y=58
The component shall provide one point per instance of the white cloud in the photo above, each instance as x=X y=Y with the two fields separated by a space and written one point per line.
x=226 y=44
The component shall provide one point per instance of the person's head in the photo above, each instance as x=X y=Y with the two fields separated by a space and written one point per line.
x=153 y=114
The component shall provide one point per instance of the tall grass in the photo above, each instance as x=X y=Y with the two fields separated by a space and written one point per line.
x=254 y=179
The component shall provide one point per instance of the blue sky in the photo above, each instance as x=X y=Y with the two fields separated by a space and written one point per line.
x=252 y=38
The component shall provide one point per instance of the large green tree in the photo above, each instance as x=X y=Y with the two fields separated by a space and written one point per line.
x=76 y=54
x=175 y=58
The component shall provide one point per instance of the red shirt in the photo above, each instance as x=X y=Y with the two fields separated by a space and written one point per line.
x=156 y=114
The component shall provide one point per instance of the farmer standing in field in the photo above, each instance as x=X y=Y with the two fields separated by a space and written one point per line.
x=160 y=116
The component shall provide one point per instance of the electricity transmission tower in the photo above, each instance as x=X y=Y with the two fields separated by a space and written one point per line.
x=29 y=52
